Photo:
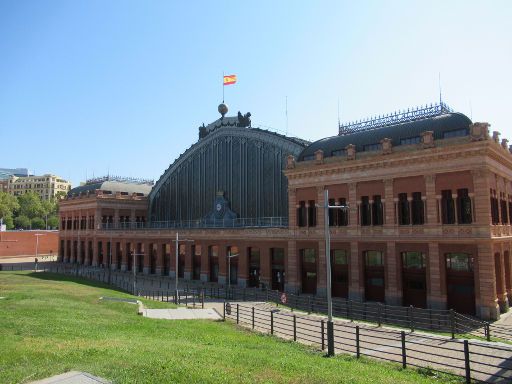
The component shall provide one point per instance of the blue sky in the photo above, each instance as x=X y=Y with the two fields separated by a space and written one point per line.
x=90 y=87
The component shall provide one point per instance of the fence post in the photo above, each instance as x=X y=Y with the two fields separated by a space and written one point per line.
x=252 y=317
x=271 y=322
x=404 y=355
x=452 y=323
x=323 y=335
x=202 y=299
x=294 y=328
x=466 y=361
x=224 y=311
x=411 y=318
x=237 y=313
x=380 y=311
x=488 y=331
x=358 y=352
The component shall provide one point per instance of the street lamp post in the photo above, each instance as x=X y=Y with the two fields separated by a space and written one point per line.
x=330 y=326
x=177 y=263
x=37 y=247
x=134 y=271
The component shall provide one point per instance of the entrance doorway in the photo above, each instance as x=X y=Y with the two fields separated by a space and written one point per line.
x=277 y=260
x=460 y=282
x=152 y=259
x=309 y=274
x=254 y=267
x=233 y=265
x=374 y=276
x=414 y=279
x=129 y=257
x=100 y=254
x=196 y=262
x=181 y=260
x=166 y=250
x=339 y=272
x=213 y=256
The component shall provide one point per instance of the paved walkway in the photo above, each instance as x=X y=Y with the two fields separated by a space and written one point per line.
x=182 y=314
x=72 y=377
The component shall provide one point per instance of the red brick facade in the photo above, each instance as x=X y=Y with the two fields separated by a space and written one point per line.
x=421 y=228
x=23 y=243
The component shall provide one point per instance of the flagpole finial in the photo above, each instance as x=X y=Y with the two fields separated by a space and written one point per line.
x=223 y=109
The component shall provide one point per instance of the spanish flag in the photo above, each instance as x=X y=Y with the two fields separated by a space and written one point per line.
x=229 y=79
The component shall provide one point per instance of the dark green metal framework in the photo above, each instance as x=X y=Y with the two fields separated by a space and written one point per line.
x=245 y=163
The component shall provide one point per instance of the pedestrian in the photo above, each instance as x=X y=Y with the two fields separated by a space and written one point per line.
x=35 y=267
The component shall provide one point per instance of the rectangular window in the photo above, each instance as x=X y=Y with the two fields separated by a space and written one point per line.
x=403 y=209
x=301 y=214
x=447 y=207
x=418 y=211
x=455 y=133
x=308 y=255
x=413 y=260
x=333 y=222
x=342 y=213
x=372 y=147
x=339 y=153
x=373 y=258
x=339 y=257
x=365 y=211
x=410 y=140
x=459 y=262
x=504 y=209
x=377 y=211
x=312 y=213
x=308 y=157
x=495 y=215
x=464 y=206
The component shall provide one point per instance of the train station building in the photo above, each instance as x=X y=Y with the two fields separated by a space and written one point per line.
x=426 y=217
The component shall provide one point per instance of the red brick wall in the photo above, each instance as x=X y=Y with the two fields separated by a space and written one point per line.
x=18 y=243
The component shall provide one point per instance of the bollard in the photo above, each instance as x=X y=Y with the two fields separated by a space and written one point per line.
x=294 y=328
x=252 y=317
x=466 y=361
x=404 y=355
x=322 y=327
x=330 y=338
x=358 y=351
x=238 y=314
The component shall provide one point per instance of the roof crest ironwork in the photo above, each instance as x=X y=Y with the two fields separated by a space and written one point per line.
x=405 y=116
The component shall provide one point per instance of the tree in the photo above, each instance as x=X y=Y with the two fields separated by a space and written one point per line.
x=38 y=223
x=8 y=205
x=22 y=222
x=53 y=222
x=31 y=205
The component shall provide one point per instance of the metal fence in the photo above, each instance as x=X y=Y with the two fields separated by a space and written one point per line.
x=443 y=321
x=241 y=222
x=472 y=360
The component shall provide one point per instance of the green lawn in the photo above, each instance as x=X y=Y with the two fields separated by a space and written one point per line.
x=50 y=324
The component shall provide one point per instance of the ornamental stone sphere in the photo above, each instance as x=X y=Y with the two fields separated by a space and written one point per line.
x=223 y=109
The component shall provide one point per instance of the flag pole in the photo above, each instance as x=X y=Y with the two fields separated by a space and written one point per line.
x=222 y=87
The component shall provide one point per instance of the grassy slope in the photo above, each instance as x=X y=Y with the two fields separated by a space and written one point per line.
x=49 y=326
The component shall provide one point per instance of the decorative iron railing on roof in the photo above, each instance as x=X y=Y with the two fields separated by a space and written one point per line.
x=405 y=116
x=121 y=179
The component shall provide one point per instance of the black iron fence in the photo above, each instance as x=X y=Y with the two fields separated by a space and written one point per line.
x=442 y=321
x=473 y=360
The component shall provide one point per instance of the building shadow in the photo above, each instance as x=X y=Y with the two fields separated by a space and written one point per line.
x=74 y=279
